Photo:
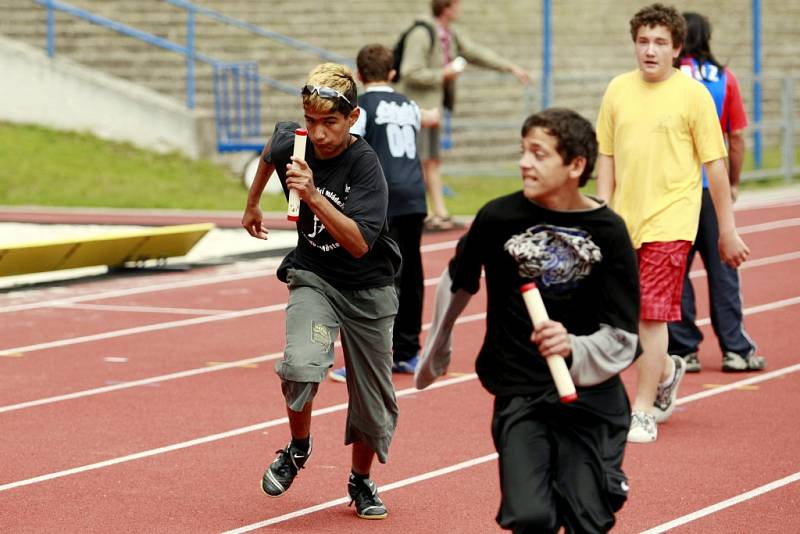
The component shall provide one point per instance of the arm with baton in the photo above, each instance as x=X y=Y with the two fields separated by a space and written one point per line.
x=557 y=364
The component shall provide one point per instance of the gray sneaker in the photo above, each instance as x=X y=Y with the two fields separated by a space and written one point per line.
x=666 y=395
x=736 y=363
x=692 y=363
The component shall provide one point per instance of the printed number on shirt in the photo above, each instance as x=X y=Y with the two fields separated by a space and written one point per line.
x=402 y=141
x=707 y=72
x=401 y=121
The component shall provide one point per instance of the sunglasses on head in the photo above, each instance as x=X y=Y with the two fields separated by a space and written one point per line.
x=327 y=93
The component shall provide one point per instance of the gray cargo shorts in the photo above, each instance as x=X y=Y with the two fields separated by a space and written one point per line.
x=429 y=143
x=316 y=313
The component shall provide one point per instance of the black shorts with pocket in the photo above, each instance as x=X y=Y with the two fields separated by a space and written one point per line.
x=561 y=464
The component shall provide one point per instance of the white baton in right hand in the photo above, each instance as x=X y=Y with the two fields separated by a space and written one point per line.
x=293 y=208
x=557 y=365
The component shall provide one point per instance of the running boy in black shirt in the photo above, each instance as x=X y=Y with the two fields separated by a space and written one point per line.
x=340 y=278
x=560 y=464
x=389 y=122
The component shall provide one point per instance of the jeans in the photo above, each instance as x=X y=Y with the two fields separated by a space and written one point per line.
x=725 y=299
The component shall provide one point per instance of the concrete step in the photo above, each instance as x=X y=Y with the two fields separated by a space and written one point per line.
x=600 y=49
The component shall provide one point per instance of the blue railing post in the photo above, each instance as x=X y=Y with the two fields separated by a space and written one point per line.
x=757 y=149
x=51 y=30
x=547 y=38
x=190 y=58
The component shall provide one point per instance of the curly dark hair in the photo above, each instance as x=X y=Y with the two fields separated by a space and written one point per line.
x=575 y=135
x=660 y=15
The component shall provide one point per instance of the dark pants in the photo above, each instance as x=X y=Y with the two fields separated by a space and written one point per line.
x=406 y=231
x=560 y=465
x=723 y=291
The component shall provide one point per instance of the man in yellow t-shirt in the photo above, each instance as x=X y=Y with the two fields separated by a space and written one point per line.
x=655 y=130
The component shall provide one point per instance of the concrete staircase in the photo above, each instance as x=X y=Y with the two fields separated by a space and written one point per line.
x=591 y=44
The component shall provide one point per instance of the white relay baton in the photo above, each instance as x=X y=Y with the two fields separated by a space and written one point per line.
x=557 y=365
x=293 y=209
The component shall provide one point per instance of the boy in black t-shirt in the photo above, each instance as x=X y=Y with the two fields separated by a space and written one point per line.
x=340 y=278
x=560 y=464
x=389 y=122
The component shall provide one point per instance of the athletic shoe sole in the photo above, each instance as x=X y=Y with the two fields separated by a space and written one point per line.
x=372 y=517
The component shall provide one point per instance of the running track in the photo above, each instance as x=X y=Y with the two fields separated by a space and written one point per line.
x=149 y=404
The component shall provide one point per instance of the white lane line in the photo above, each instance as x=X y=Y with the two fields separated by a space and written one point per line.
x=217 y=279
x=168 y=286
x=282 y=420
x=761 y=377
x=409 y=391
x=219 y=316
x=444 y=245
x=760 y=262
x=761 y=490
x=224 y=315
x=210 y=438
x=762 y=203
x=470 y=463
x=140 y=309
x=147 y=328
x=137 y=383
x=238 y=363
x=767 y=226
x=177 y=375
x=384 y=488
x=753 y=310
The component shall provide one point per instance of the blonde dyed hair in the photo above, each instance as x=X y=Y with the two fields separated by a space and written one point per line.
x=337 y=77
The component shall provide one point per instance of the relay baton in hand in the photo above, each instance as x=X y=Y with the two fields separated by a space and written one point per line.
x=293 y=209
x=557 y=365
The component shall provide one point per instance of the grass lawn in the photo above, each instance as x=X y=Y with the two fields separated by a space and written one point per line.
x=45 y=167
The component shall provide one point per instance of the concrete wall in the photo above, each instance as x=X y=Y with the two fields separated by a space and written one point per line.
x=61 y=94
x=590 y=45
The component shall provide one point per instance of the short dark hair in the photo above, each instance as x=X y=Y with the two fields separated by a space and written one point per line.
x=575 y=135
x=375 y=62
x=660 y=15
x=437 y=6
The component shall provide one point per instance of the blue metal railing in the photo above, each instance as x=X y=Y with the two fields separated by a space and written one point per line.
x=187 y=50
x=192 y=9
x=547 y=54
x=257 y=30
x=756 y=23
x=237 y=106
x=236 y=84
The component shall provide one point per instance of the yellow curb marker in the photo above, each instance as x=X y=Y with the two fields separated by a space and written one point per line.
x=244 y=365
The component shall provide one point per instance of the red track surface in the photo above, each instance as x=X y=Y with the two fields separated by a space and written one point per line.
x=163 y=437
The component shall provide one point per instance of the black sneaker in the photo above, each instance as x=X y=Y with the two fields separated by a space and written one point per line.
x=364 y=493
x=281 y=472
